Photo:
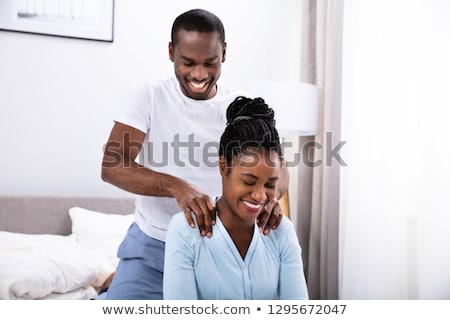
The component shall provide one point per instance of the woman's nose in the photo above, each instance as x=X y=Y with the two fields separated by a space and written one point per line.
x=259 y=194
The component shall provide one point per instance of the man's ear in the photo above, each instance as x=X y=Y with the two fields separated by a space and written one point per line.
x=224 y=52
x=171 y=51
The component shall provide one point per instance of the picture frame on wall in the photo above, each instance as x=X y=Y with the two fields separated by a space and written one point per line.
x=81 y=19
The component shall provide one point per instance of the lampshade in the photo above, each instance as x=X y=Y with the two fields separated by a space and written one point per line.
x=296 y=105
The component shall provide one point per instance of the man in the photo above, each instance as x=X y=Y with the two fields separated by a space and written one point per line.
x=172 y=126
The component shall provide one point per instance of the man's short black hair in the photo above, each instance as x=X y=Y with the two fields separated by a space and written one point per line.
x=197 y=20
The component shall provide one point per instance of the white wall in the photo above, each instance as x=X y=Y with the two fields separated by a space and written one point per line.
x=395 y=213
x=58 y=96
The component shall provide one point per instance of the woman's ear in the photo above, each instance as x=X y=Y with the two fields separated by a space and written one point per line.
x=222 y=166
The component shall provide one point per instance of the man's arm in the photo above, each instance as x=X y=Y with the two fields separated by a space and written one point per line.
x=120 y=169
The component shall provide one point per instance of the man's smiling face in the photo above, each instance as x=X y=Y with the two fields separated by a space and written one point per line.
x=197 y=58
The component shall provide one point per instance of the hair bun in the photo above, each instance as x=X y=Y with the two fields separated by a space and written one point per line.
x=251 y=125
x=243 y=108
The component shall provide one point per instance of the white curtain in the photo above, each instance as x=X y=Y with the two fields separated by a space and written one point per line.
x=317 y=199
x=395 y=190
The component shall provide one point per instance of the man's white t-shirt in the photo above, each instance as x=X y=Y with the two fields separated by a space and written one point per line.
x=182 y=139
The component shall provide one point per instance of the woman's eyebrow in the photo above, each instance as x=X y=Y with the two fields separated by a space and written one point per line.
x=255 y=177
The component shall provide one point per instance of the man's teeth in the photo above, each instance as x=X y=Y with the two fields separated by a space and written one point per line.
x=198 y=85
x=251 y=205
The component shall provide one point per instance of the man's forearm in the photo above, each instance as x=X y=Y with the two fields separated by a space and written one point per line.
x=140 y=180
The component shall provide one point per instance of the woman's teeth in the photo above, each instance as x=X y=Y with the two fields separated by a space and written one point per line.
x=251 y=205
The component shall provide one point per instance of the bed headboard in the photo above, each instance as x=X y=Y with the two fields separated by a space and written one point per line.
x=50 y=214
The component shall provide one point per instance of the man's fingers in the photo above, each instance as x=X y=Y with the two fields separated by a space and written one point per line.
x=206 y=215
x=200 y=219
x=212 y=211
x=200 y=206
x=204 y=205
x=270 y=217
x=263 y=218
x=274 y=220
x=270 y=205
x=188 y=215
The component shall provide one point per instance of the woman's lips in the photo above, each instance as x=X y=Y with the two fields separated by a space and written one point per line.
x=253 y=207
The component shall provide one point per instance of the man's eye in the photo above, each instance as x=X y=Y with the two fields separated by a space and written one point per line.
x=248 y=183
x=271 y=186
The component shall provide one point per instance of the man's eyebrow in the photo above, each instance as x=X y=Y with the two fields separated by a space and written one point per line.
x=192 y=60
x=212 y=58
x=186 y=58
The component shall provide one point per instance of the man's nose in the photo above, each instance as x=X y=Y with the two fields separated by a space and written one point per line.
x=199 y=73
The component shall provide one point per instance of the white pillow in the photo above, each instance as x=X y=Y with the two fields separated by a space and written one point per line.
x=100 y=232
x=35 y=266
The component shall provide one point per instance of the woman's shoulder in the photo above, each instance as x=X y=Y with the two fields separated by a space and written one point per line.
x=286 y=224
x=179 y=225
x=285 y=228
x=179 y=222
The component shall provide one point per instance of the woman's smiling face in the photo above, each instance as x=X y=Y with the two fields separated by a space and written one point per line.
x=251 y=182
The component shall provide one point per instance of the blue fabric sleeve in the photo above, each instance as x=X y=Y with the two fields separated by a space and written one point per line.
x=179 y=277
x=292 y=285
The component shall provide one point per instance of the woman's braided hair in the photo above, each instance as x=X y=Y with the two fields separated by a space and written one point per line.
x=250 y=124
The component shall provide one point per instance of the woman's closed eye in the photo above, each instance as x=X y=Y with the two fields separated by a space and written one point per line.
x=249 y=183
x=267 y=185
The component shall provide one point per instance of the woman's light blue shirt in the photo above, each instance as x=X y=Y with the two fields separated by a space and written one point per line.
x=204 y=268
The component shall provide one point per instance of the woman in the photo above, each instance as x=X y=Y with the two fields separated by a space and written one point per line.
x=238 y=262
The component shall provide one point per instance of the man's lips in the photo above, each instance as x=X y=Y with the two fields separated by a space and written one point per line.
x=198 y=85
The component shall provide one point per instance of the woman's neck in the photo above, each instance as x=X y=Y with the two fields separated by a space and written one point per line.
x=240 y=230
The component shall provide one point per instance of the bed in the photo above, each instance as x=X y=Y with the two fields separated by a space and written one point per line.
x=60 y=247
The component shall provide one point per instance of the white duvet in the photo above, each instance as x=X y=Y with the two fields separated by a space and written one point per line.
x=49 y=267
